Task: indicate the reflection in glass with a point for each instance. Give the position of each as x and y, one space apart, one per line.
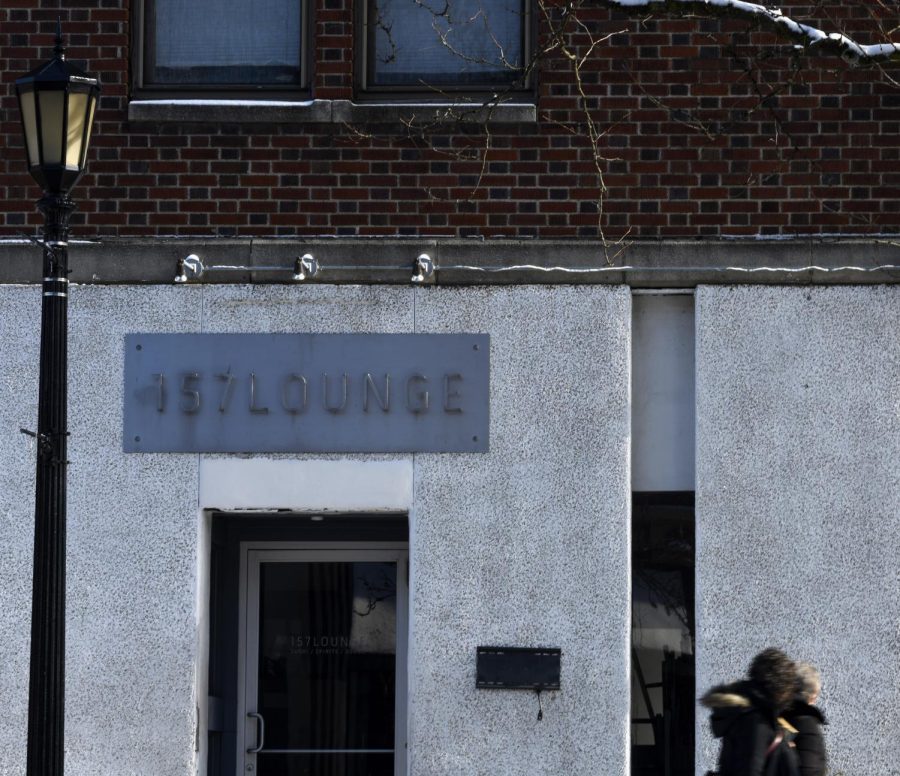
327 647
78 103
29 119
227 42
662 635
50 104
450 43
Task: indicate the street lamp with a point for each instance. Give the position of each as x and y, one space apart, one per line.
57 103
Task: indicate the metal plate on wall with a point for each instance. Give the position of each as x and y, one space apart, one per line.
518 668
324 393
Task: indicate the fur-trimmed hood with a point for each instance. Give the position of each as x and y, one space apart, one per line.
728 696
731 701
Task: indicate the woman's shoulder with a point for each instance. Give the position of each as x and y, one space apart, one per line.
803 715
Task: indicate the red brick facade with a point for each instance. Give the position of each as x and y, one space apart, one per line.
823 156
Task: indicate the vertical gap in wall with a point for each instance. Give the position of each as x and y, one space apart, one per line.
663 530
662 635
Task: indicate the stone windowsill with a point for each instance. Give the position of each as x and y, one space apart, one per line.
326 112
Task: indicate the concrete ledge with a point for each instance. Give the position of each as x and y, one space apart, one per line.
223 111
326 111
674 264
345 111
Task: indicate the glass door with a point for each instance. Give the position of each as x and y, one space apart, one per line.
324 691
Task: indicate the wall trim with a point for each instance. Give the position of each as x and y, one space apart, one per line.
392 261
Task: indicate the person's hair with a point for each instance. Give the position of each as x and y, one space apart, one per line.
776 675
809 682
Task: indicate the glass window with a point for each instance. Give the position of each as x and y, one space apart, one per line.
327 657
307 645
227 42
663 634
447 44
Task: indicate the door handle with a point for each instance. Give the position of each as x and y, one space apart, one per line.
260 732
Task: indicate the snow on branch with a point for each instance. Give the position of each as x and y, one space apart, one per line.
808 37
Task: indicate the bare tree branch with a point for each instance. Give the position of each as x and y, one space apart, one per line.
812 39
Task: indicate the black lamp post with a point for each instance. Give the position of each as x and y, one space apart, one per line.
57 103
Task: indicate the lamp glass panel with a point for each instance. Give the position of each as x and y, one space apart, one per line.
78 109
90 125
51 107
29 119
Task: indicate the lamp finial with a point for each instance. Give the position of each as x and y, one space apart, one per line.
59 49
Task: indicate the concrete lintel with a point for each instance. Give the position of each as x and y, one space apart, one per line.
661 264
306 484
153 261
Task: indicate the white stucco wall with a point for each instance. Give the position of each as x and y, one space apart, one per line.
131 546
528 545
798 501
21 318
525 545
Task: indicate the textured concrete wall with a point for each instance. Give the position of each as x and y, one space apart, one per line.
132 527
21 318
529 544
526 545
132 555
798 502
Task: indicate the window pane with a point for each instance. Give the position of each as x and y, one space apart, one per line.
445 43
227 41
663 634
327 668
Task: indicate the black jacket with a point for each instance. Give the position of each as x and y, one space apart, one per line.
743 717
809 741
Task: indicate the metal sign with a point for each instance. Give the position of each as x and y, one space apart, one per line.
518 668
292 393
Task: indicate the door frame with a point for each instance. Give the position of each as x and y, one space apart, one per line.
251 555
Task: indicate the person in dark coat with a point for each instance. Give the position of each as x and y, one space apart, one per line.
745 714
808 719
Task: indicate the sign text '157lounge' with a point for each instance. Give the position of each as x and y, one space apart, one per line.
345 393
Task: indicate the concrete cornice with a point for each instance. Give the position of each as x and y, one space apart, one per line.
673 264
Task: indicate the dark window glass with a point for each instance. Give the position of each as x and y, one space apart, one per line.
662 635
327 654
445 43
241 42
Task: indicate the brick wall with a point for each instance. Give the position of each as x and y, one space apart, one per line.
686 148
